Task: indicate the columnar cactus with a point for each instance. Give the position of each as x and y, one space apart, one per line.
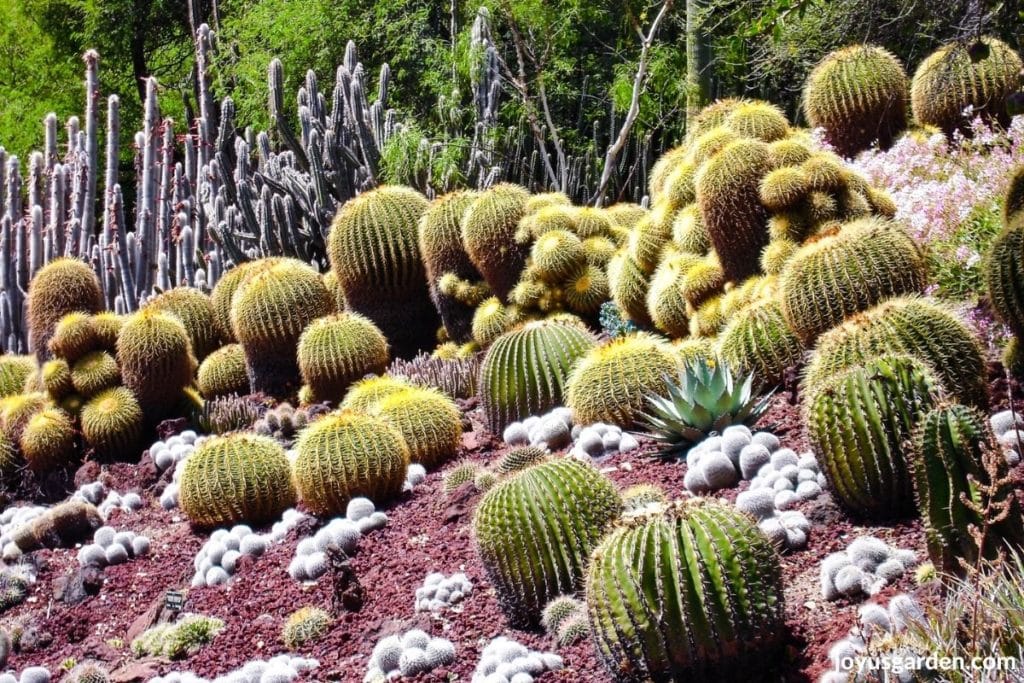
858 422
488 233
429 422
156 361
195 311
948 465
534 532
223 373
337 350
693 592
345 455
979 74
758 340
63 286
374 250
859 95
838 275
525 371
236 478
112 423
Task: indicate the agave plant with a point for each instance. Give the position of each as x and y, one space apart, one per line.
706 399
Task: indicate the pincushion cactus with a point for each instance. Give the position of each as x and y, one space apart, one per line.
429 422
488 233
535 529
63 286
112 423
718 632
195 311
223 373
156 361
337 350
305 625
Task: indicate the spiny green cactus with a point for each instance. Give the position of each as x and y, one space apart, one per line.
156 361
599 250
611 382
429 422
663 168
777 255
1004 276
694 593
787 152
223 373
10 459
591 222
981 74
729 199
17 409
708 319
825 173
195 311
178 639
859 96
666 302
236 478
337 350
692 349
542 200
269 312
625 215
112 423
759 120
94 372
709 144
679 187
107 326
912 326
519 459
1013 202
73 337
758 340
948 463
488 232
629 287
14 370
88 673
346 454
61 526
556 255
458 475
838 275
374 250
305 625
224 292
858 421
363 394
689 233
716 113
533 224
63 286
783 188
440 240
643 498
56 377
586 291
702 281
13 591
534 532
48 440
490 321
525 371
649 237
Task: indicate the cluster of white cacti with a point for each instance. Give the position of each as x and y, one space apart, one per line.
310 561
172 453
107 501
410 654
1008 426
787 528
12 518
110 547
279 669
440 592
30 674
875 620
415 475
867 566
552 430
601 440
217 560
506 661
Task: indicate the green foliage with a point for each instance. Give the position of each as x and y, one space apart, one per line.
337 350
694 593
534 532
956 261
179 639
112 423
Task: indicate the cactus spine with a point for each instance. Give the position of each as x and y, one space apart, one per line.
337 350
156 361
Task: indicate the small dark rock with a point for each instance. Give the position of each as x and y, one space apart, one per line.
76 587
34 639
169 428
87 473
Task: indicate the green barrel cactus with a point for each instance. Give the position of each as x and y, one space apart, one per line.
73 337
337 350
666 300
911 326
488 233
224 291
223 373
1013 202
236 478
612 381
429 422
63 286
156 361
107 326
729 198
689 233
304 626
948 464
525 371
758 120
490 320
374 250
112 423
757 340
858 95
1004 276
979 74
663 168
783 189
14 371
56 378
556 255
94 372
16 410
269 312
838 275
48 440
858 422
586 291
347 454
534 532
363 394
629 286
691 593
650 236
440 240
195 311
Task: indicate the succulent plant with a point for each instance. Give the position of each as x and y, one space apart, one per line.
236 478
16 410
223 373
48 440
948 464
519 459
195 311
347 454
488 233
364 394
730 204
63 286
156 361
112 423
305 625
429 422
706 399
73 337
14 371
269 311
224 292
556 255
666 298
859 95
586 291
440 240
980 74
94 372
836 276
337 350
455 376
757 340
694 593
648 239
284 422
534 532
525 371
663 168
374 250
55 375
611 382
912 326
227 414
13 591
178 639
1004 275
858 421
628 286
491 320
88 673
758 120
459 474
61 526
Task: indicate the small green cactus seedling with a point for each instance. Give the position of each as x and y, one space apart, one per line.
459 474
179 639
305 625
